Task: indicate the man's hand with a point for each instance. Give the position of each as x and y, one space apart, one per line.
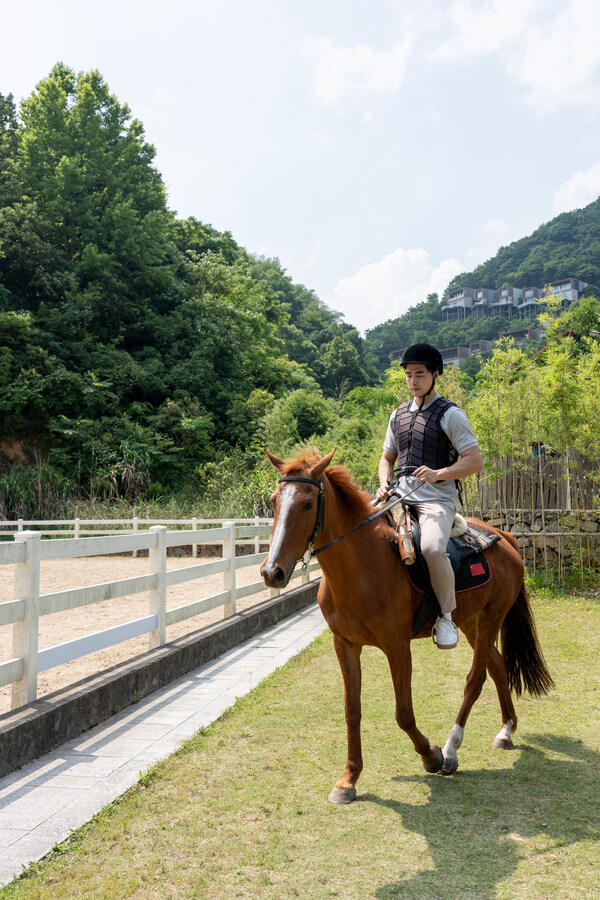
427 475
382 494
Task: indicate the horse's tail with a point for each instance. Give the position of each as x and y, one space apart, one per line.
523 659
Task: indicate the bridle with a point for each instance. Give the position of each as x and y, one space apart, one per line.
320 518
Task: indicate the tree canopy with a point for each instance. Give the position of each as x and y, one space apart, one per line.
132 342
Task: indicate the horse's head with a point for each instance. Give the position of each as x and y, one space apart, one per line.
298 509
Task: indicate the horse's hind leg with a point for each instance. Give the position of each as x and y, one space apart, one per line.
497 672
349 660
485 655
503 739
481 639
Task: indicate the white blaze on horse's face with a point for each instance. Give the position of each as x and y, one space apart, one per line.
294 518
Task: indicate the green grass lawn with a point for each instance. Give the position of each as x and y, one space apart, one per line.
242 811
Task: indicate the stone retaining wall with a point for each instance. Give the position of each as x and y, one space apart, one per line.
557 537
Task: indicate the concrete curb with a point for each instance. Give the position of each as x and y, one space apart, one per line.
39 727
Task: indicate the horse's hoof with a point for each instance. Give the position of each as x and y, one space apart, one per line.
432 768
342 796
450 766
503 744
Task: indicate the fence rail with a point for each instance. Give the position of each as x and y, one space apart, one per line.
23 612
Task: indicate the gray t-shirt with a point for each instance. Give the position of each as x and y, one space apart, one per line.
456 425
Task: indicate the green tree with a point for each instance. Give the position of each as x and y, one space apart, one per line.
584 316
9 187
297 419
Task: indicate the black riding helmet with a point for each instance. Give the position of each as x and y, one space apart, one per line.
426 354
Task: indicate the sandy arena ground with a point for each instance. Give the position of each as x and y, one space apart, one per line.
57 575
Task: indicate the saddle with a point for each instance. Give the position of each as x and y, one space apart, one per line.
466 553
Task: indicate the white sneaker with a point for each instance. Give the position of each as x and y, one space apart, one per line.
444 633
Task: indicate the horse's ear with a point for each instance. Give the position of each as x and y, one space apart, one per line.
275 461
320 467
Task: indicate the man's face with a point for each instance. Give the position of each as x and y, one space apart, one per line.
418 379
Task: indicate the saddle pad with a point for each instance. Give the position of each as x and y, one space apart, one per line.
471 572
477 538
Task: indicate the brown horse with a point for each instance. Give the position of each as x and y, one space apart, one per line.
366 599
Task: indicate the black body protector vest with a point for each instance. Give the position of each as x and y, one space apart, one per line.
419 439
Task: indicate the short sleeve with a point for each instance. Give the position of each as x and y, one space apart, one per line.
456 425
389 444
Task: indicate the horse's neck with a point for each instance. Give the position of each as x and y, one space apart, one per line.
338 521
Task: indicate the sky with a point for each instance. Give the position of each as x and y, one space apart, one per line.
376 148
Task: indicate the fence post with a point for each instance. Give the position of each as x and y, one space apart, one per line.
135 528
194 546
229 607
76 528
25 633
157 565
20 525
257 538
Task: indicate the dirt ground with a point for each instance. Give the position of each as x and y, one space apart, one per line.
62 574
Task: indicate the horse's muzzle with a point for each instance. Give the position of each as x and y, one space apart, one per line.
274 576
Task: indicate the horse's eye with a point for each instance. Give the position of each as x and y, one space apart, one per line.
308 505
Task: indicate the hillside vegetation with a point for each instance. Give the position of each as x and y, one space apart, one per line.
136 348
146 359
566 247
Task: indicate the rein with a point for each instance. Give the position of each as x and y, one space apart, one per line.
320 520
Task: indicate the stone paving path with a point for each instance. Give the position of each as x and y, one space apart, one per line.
48 798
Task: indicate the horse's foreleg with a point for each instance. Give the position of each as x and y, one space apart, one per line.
401 669
349 659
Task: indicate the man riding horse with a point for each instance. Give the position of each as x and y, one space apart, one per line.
431 439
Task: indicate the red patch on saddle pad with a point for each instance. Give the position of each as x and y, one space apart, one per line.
477 569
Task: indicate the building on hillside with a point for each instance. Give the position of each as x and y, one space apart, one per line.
569 290
455 355
521 335
459 304
481 302
531 303
508 301
480 346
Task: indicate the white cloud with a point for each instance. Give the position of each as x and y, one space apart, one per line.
387 289
582 188
482 29
551 51
559 64
357 71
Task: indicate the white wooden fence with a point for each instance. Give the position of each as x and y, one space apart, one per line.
28 550
86 527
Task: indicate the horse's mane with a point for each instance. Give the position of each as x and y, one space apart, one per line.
346 489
